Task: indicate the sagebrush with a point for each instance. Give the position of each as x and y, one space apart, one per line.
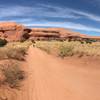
14 50
13 74
65 48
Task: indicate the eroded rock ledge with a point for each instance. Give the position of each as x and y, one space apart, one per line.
12 31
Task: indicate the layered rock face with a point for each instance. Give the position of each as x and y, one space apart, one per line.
55 33
59 34
12 31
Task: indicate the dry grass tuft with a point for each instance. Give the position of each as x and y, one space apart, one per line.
65 51
14 50
12 74
66 48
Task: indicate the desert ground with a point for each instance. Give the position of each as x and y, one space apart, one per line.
49 77
58 80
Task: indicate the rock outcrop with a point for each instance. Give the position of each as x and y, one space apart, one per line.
55 33
12 31
59 34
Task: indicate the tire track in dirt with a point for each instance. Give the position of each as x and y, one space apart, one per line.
49 78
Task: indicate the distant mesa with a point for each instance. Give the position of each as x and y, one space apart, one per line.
12 31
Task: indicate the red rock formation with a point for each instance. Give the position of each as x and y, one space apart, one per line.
12 31
54 33
59 34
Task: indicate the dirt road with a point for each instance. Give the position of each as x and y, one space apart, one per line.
49 78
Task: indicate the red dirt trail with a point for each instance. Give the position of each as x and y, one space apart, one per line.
49 78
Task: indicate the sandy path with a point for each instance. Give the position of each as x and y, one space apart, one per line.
51 79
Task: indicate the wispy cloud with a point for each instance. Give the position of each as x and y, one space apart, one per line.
11 11
70 25
43 10
33 11
95 3
87 15
75 12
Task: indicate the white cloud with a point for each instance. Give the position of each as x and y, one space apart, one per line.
69 25
43 10
14 11
74 12
87 15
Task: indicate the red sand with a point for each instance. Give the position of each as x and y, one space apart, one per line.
50 78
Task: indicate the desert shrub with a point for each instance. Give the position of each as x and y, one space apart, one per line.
15 50
16 53
90 41
3 42
65 50
3 53
45 46
13 75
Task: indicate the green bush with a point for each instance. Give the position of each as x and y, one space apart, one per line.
90 41
3 42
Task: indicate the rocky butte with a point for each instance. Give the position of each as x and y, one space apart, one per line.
12 31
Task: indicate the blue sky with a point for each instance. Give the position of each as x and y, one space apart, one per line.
79 15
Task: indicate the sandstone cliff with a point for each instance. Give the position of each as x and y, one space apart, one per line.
12 31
